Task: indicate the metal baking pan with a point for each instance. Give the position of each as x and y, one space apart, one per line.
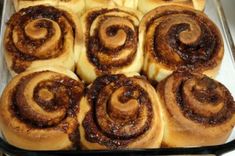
226 76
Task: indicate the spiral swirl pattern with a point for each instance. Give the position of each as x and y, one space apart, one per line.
123 114
111 41
199 102
39 35
175 37
41 106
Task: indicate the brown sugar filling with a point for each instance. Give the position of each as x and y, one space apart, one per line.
97 48
105 123
26 45
65 94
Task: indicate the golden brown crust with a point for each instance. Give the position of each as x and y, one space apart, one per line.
39 109
120 112
20 4
76 6
176 37
147 5
197 110
111 43
41 35
111 3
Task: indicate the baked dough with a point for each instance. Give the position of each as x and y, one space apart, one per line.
174 37
42 35
147 5
197 110
39 109
111 43
120 112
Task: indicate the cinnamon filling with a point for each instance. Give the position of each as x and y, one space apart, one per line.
183 38
121 111
36 33
200 98
114 42
57 98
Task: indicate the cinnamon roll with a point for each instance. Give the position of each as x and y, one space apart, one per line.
39 109
175 37
77 6
147 5
119 112
111 43
41 35
113 3
197 110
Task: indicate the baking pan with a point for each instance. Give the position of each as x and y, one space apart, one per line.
226 76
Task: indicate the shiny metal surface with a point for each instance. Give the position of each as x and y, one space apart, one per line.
225 28
1 9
